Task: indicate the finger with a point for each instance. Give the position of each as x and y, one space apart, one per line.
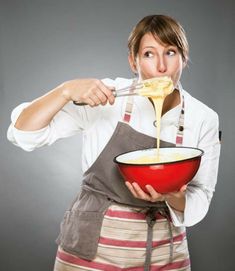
95 99
100 95
152 191
90 102
107 91
130 187
183 188
154 194
111 96
140 193
104 102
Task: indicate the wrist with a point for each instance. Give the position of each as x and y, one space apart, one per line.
64 92
177 202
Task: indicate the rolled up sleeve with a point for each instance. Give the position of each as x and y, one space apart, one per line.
200 190
67 122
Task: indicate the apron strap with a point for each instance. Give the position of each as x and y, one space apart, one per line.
129 105
151 220
128 109
180 130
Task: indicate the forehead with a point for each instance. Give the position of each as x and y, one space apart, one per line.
150 40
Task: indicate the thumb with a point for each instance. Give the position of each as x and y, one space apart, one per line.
183 188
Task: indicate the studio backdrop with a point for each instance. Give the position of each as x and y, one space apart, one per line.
44 43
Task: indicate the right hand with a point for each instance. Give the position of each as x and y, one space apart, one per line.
89 91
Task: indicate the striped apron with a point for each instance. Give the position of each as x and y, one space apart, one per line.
131 238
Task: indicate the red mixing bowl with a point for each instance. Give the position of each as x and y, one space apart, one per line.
164 177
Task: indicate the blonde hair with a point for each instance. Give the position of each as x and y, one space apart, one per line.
165 28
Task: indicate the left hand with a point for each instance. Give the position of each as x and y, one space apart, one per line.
154 196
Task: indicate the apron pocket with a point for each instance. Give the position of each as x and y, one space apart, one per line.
80 232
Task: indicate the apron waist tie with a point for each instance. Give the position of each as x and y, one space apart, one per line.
171 236
151 220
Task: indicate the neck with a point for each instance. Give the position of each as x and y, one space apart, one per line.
171 101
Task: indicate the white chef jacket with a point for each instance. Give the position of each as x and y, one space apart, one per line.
97 124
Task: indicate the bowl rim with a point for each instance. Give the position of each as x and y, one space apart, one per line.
160 163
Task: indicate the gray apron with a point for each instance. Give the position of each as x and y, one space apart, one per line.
102 186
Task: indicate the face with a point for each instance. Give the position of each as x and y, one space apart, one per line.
155 59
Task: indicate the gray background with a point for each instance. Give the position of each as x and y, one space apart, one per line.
44 43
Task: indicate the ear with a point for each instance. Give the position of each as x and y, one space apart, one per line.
132 63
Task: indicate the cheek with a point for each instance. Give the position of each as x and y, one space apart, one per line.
146 69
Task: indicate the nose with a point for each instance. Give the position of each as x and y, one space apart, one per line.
161 65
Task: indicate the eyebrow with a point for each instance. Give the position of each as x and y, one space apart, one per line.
149 47
153 47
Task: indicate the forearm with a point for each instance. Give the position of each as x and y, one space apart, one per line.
42 110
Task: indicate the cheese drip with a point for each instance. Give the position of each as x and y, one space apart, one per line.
157 89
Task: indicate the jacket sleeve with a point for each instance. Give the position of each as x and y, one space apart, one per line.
67 122
200 190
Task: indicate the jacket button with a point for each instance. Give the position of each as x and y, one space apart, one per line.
181 128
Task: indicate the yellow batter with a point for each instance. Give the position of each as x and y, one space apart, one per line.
157 89
161 157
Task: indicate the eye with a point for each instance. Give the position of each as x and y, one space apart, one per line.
171 52
148 54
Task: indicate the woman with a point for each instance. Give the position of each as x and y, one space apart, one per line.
110 227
